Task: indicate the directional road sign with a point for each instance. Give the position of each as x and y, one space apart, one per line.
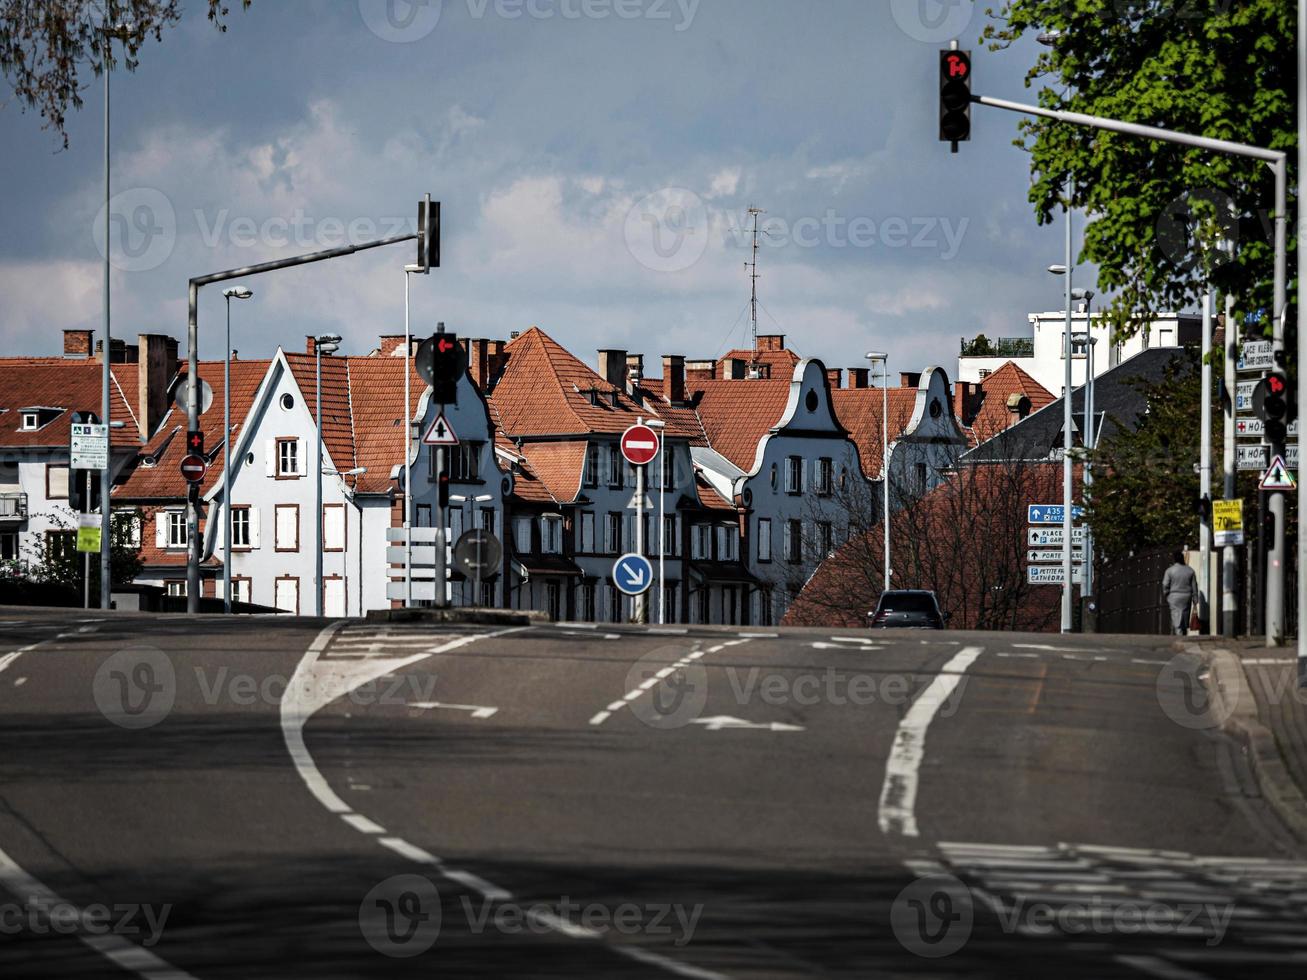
1053 554
440 433
633 574
1257 355
193 468
639 444
1051 537
88 447
1243 396
1251 457
1052 574
1051 513
1252 426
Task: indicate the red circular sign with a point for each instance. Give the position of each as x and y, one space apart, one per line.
639 444
194 467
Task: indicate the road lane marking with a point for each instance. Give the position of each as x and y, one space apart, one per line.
1158 967
632 695
476 710
898 795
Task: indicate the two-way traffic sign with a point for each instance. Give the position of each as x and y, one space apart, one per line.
633 574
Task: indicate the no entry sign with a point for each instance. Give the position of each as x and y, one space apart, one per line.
639 444
194 467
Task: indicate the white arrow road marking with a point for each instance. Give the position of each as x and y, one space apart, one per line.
898 796
820 645
318 682
635 579
477 710
718 722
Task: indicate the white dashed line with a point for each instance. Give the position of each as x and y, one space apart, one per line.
647 684
1158 967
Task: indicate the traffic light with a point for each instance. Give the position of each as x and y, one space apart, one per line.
448 363
954 96
195 442
1273 404
428 234
442 483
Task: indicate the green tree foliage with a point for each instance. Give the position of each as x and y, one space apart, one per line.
44 44
1218 68
55 573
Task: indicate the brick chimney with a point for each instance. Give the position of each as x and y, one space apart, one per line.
392 345
478 360
156 366
859 377
496 359
967 399
700 370
612 367
835 377
674 378
77 343
909 379
771 341
310 344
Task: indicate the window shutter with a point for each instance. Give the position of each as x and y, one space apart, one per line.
270 455
161 529
300 467
254 526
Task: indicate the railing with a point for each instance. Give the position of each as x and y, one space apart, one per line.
13 506
1002 347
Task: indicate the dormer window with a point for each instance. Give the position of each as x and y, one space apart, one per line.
614 398
594 396
31 420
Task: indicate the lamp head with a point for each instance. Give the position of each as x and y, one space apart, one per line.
238 292
327 343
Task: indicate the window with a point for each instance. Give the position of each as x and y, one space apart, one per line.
614 604
551 534
333 527
919 478
127 527
726 542
669 472
60 544
240 527
56 481
764 606
701 542
9 546
522 535
464 462
592 464
288 458
454 521
613 535
670 544
824 471
730 604
794 474
825 539
487 519
487 595
286 594
288 528
587 544
616 468
585 602
554 601
241 587
764 539
176 587
424 515
31 420
177 536
983 373
794 541
702 602
671 613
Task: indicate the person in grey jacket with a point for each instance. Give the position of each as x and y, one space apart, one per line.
1180 588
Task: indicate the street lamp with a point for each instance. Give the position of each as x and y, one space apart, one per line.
882 358
476 579
1068 421
330 343
660 428
235 292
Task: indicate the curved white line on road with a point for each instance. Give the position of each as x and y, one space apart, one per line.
312 689
629 696
898 795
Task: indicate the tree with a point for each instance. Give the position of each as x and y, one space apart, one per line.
54 570
1157 210
43 43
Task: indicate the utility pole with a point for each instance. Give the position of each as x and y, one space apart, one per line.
1205 466
1229 561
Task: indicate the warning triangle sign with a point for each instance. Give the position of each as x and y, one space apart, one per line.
440 433
1277 476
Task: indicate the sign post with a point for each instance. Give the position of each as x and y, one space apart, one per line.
639 447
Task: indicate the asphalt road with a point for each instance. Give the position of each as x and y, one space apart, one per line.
188 796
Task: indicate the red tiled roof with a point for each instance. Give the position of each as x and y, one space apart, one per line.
994 415
72 384
737 414
709 498
860 409
781 362
558 466
337 422
376 387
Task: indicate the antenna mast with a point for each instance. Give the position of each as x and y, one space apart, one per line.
753 276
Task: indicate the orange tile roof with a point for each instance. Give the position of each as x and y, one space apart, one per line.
994 415
737 414
72 384
376 387
781 362
337 421
709 498
557 466
860 409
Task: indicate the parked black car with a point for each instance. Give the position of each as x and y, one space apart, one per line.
909 609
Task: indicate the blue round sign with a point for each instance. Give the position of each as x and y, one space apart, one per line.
633 574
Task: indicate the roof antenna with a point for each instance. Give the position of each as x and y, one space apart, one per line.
753 302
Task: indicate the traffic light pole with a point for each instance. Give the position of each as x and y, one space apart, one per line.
442 599
1279 167
1229 561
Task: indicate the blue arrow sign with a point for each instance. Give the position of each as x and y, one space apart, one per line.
633 574
1051 513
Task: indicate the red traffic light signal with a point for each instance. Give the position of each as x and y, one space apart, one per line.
954 96
195 442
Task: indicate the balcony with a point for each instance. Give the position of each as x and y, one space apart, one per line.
13 506
982 346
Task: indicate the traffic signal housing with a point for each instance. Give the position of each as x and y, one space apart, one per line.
448 363
442 484
954 96
428 235
1273 403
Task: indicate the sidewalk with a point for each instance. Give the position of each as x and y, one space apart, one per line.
1256 698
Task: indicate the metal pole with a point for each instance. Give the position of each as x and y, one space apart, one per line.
662 525
226 467
1276 499
1229 561
408 466
641 614
86 555
1067 422
1088 477
317 476
440 534
1302 331
1205 464
105 380
884 435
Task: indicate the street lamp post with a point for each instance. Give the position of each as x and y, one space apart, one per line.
235 292
883 359
330 343
660 429
1068 421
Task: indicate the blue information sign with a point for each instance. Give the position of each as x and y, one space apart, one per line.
1051 513
633 574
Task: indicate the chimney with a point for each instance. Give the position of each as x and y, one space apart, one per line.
392 345
478 360
119 352
967 400
635 377
496 359
771 341
310 344
859 377
909 379
674 378
612 366
700 370
835 377
738 368
77 343
156 366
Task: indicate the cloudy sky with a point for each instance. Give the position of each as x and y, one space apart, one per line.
595 160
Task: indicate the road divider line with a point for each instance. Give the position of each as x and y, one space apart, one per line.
898 795
649 683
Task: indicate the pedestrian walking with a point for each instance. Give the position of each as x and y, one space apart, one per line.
1179 589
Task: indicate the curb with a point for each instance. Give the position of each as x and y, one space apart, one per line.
1234 706
459 614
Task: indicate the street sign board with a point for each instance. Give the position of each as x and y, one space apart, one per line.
639 444
1277 476
1051 513
193 468
1050 537
1251 457
1243 396
88 533
1227 522
633 574
477 554
88 447
1257 355
1035 555
1252 426
440 433
1052 574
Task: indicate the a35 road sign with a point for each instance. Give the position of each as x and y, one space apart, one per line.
633 574
1051 513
